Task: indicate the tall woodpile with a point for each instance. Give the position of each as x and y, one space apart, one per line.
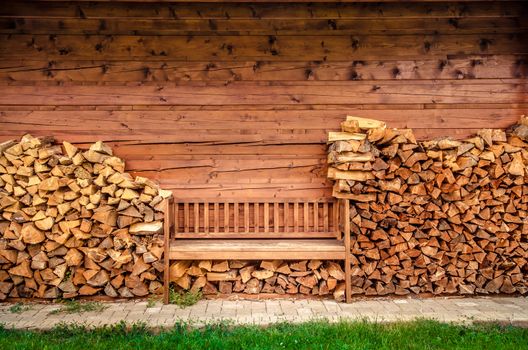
439 216
72 222
309 277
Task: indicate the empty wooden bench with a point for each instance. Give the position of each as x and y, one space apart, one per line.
254 230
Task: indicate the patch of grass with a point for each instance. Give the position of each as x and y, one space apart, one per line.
75 306
422 334
18 308
184 299
151 302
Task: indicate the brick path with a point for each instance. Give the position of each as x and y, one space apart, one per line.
269 311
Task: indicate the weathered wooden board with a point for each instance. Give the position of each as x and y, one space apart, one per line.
224 26
257 47
133 122
86 10
478 67
265 93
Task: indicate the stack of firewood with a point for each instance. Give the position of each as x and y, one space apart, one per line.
312 277
72 222
441 216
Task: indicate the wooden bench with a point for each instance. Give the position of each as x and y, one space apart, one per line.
255 230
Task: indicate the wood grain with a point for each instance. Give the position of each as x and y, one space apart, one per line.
265 93
290 10
258 47
97 72
320 26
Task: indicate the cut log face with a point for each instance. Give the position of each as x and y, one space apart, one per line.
32 235
59 211
443 216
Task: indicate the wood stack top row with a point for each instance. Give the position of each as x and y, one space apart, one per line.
72 222
439 216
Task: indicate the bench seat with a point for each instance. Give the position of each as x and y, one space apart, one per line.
256 249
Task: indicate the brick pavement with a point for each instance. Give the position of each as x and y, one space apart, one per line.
263 312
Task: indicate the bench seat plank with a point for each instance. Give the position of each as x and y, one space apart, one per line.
257 249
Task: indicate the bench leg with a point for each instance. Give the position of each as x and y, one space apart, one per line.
166 282
346 229
166 240
348 278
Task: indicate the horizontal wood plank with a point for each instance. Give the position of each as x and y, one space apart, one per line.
256 255
338 26
260 47
291 10
477 67
258 245
294 93
243 122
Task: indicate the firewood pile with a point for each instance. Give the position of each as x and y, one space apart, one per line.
313 277
73 223
440 216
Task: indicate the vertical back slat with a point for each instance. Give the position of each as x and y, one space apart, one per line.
296 217
176 210
257 217
266 217
246 217
306 216
186 217
196 217
316 216
227 208
216 217
286 216
325 217
276 217
206 217
235 217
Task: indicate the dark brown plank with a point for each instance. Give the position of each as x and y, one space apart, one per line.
294 93
158 10
264 47
478 67
338 26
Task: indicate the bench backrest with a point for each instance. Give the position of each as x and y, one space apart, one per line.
255 219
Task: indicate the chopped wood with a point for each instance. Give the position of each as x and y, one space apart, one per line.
74 223
345 136
146 228
270 276
364 123
442 216
336 174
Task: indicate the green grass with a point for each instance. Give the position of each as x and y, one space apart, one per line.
152 301
315 335
18 308
184 299
75 306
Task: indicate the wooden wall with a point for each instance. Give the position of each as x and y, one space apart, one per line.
235 100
